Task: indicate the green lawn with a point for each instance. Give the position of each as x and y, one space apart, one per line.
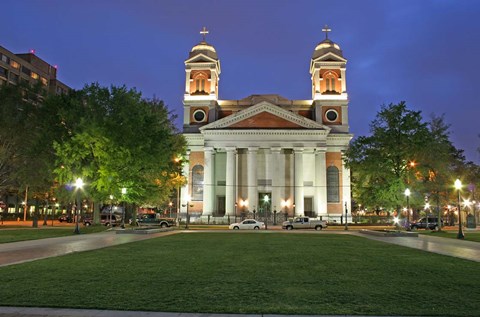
14 235
257 272
469 235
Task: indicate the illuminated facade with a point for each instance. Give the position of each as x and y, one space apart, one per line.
265 155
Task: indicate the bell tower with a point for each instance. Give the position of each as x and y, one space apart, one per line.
201 85
329 87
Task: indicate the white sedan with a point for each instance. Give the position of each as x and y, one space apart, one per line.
247 224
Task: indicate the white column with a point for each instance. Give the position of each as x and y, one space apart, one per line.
276 197
320 183
185 193
187 81
344 79
213 82
230 182
346 188
252 179
208 180
299 203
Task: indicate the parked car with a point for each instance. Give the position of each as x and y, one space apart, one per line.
247 224
155 220
422 223
105 219
65 218
304 223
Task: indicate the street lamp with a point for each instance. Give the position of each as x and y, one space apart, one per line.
407 194
458 186
170 204
124 192
265 204
188 216
78 185
236 205
346 216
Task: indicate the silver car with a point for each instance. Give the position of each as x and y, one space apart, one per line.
248 224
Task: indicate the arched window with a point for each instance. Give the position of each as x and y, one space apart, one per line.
197 182
333 185
330 79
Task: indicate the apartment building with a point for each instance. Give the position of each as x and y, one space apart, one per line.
28 67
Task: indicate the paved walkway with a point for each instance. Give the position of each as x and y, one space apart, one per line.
36 312
31 250
468 250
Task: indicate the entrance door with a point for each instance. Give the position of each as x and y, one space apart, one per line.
308 206
220 206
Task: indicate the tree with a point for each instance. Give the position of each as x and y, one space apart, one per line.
117 139
380 162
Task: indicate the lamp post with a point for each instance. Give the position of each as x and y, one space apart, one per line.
78 184
458 186
265 206
124 192
407 194
188 216
346 216
236 205
170 204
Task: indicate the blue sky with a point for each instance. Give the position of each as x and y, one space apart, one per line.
423 52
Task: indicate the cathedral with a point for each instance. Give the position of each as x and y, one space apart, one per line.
266 156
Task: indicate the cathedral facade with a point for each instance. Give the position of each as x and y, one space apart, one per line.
266 156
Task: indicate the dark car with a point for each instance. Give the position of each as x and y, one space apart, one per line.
65 218
154 220
422 224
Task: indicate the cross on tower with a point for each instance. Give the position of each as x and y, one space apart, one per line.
204 33
326 30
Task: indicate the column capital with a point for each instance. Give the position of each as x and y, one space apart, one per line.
209 149
298 150
276 150
320 150
230 149
252 149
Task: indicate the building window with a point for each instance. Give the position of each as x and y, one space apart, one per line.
330 80
200 84
197 182
331 115
44 81
13 78
5 58
333 185
34 75
3 72
14 64
199 115
26 71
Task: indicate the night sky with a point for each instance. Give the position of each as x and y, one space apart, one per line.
426 53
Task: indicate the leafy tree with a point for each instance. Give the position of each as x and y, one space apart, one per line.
380 162
117 139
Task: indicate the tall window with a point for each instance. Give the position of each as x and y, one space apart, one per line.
330 82
333 185
200 83
197 182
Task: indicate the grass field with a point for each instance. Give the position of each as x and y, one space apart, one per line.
14 235
469 235
258 272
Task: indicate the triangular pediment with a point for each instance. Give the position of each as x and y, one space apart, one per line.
264 115
201 58
329 57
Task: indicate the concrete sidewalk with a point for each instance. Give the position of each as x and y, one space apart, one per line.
65 312
31 250
468 250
